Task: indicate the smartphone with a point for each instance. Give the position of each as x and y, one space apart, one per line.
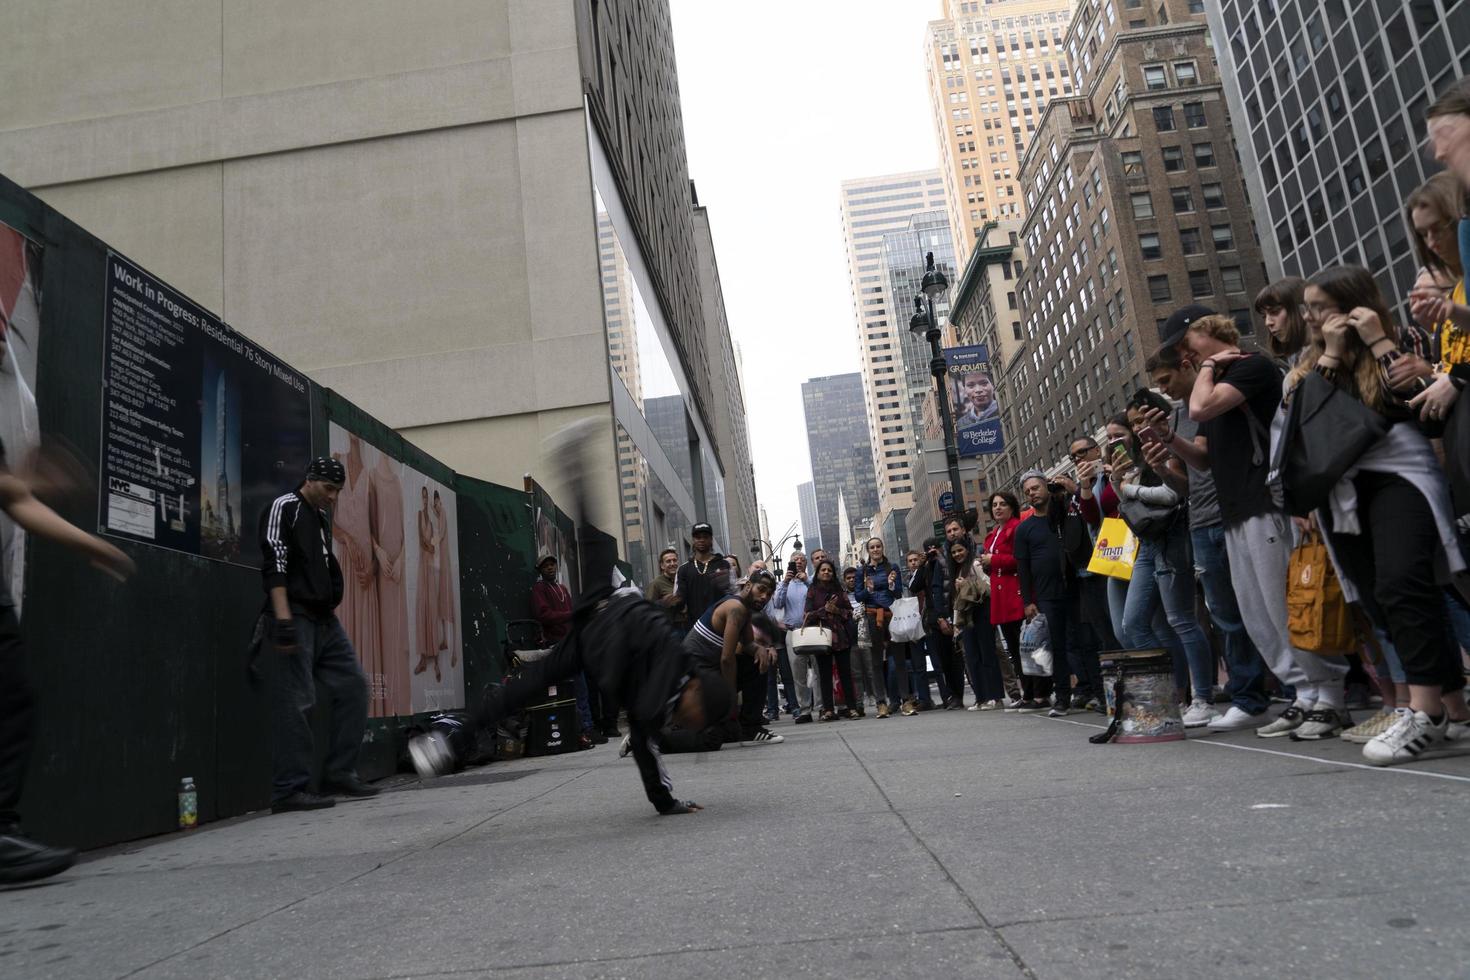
1119 451
1148 435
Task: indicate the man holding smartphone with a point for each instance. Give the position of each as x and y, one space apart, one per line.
790 603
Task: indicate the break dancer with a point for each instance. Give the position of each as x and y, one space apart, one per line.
623 643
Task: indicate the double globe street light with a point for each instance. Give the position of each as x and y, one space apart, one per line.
924 323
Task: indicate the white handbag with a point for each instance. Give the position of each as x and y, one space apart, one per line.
907 625
811 638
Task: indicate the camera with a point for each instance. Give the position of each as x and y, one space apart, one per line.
1055 488
791 566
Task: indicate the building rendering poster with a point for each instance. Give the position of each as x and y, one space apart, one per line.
20 333
201 429
395 534
972 401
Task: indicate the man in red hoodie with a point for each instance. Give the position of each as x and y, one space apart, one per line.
551 605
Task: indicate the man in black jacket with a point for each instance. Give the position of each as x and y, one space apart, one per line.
303 585
623 643
1042 564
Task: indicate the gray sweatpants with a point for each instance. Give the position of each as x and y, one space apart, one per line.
802 665
1259 549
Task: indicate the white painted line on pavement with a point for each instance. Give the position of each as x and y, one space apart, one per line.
1295 755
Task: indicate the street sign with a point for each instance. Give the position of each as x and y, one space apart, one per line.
946 501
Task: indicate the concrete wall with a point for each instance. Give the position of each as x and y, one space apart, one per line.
393 197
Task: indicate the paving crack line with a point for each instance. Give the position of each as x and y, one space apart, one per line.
1399 770
985 923
348 880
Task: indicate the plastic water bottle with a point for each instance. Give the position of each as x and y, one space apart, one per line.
188 804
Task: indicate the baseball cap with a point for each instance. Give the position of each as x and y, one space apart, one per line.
1178 323
699 529
544 559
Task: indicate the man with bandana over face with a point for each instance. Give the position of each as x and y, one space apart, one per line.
303 585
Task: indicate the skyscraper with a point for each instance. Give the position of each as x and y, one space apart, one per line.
1136 207
903 263
1328 99
811 531
841 455
993 65
871 208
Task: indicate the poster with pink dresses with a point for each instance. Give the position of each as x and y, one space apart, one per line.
394 534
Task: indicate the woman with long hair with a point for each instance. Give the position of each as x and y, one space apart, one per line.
1006 611
879 582
1437 300
1389 515
1280 306
827 606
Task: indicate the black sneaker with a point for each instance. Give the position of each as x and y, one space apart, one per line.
22 859
350 787
1030 707
302 800
599 737
804 719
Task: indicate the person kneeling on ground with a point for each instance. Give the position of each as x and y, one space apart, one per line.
623 643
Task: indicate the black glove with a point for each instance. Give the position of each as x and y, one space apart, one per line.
680 806
283 633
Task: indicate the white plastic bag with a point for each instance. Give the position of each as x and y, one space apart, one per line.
1036 659
907 625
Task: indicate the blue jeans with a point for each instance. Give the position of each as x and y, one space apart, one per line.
1174 582
1247 671
1145 627
322 654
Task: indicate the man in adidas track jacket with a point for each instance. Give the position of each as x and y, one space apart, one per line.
303 585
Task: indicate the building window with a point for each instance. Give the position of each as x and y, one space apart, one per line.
1231 276
1149 245
1214 196
1204 154
1191 241
1183 199
1154 77
1173 158
1199 283
1224 237
1164 118
1132 163
1158 289
1194 115
1184 73
1143 205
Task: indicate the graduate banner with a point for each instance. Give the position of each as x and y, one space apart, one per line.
201 429
972 401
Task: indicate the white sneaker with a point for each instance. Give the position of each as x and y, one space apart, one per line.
1199 713
1013 704
626 748
1236 719
1289 721
1409 736
764 736
990 705
1321 723
974 707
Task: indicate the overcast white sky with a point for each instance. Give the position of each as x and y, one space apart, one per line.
782 102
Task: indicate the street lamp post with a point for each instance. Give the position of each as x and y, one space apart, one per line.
927 324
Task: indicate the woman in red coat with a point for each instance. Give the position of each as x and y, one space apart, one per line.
998 558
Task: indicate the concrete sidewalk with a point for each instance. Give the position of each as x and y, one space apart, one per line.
944 845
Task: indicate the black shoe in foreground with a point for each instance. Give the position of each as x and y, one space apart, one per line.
22 859
351 787
302 800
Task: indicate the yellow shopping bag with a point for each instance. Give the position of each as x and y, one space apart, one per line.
1116 550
